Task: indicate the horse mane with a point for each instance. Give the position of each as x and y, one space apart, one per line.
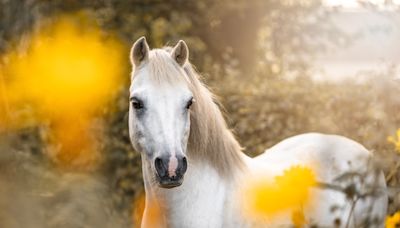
210 139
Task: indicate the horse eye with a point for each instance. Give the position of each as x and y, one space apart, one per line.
189 103
137 104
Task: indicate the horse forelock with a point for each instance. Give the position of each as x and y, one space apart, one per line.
162 68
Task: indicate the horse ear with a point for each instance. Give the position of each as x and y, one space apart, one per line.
139 51
180 53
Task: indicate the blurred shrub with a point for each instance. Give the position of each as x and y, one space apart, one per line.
255 56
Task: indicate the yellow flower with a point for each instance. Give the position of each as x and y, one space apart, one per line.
298 218
289 192
68 73
393 221
395 140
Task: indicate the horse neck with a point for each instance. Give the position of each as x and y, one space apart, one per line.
201 201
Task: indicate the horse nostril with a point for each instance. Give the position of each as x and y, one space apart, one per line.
184 165
158 163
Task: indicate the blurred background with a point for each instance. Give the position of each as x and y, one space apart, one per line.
279 68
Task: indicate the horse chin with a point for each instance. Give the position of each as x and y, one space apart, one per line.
169 186
170 183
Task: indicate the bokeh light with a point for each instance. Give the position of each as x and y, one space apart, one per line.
393 221
67 75
154 208
266 198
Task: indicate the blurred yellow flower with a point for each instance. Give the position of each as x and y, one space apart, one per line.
67 74
395 140
393 221
289 192
154 213
298 218
68 66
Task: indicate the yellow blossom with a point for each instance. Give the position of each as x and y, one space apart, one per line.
69 71
393 221
298 218
265 198
395 140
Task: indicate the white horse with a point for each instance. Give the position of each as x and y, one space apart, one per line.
181 134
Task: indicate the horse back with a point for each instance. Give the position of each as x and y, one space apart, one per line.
338 161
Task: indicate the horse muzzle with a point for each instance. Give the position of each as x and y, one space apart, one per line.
170 170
